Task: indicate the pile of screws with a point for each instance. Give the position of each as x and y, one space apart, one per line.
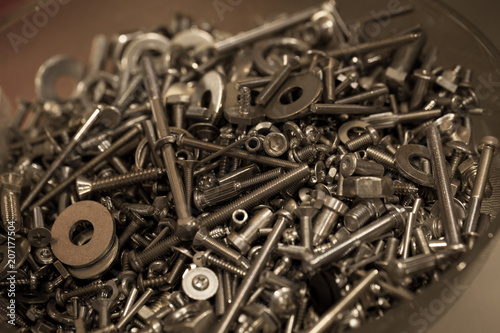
294 177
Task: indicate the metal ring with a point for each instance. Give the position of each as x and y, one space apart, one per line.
210 93
344 129
308 87
97 247
200 283
53 69
84 86
403 156
261 49
141 44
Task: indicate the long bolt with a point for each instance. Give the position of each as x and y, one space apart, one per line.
272 87
443 189
186 142
126 138
489 148
138 261
329 317
186 224
392 220
61 157
86 187
220 216
284 218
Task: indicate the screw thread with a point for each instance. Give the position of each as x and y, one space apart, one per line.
262 178
177 269
248 201
402 188
155 282
125 263
405 57
4 312
83 291
188 183
161 302
219 232
358 216
19 282
301 314
10 207
98 53
130 178
158 250
306 154
455 160
359 142
244 99
379 155
222 264
178 111
220 248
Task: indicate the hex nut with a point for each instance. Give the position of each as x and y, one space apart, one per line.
367 187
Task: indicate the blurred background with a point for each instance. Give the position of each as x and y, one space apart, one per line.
477 308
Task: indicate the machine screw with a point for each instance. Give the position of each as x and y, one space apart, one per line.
460 150
362 213
488 148
11 191
371 137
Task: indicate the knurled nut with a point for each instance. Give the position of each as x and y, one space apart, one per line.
336 205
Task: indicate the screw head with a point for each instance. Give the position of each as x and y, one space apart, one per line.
489 141
11 181
373 134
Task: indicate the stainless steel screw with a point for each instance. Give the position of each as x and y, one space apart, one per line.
489 148
443 189
371 137
11 191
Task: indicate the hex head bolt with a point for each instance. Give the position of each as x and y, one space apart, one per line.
62 156
86 187
488 148
362 213
221 215
327 218
329 317
11 191
371 137
392 220
283 220
207 258
443 189
202 238
243 239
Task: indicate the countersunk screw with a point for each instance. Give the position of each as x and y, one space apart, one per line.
202 238
85 187
488 149
371 137
11 191
220 216
62 297
207 258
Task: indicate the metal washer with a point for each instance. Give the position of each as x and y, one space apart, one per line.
98 246
200 294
